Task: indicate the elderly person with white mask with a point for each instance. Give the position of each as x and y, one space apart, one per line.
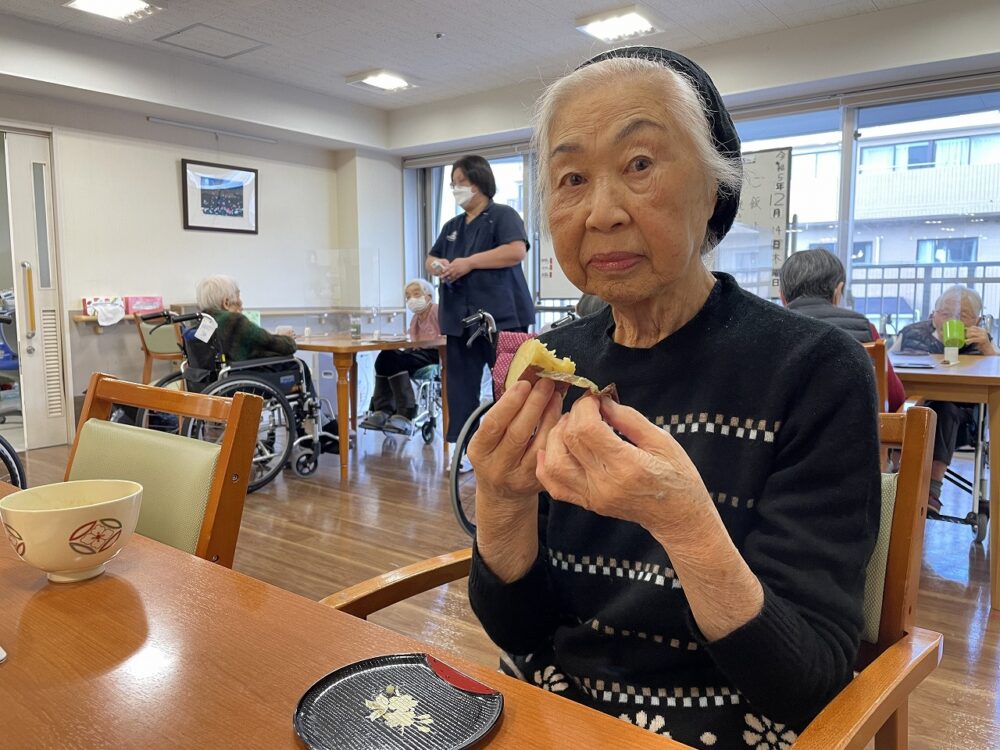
393 404
700 568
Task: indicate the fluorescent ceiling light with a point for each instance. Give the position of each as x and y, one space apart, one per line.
382 80
615 25
120 10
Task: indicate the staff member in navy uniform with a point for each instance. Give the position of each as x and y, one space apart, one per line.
478 257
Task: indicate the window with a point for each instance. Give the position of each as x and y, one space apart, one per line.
925 211
948 250
877 159
915 155
862 253
813 194
984 149
830 247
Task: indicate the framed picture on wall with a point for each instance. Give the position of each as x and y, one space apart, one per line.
219 197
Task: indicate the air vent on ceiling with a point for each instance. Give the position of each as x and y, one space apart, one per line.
211 41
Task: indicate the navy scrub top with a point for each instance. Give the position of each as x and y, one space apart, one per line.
502 292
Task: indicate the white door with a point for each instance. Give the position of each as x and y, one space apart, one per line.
36 289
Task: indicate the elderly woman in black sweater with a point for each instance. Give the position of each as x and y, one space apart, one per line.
700 569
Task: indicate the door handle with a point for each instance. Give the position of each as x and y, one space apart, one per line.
29 293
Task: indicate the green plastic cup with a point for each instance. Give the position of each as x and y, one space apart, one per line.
953 333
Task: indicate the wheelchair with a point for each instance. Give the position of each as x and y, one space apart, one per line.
426 383
291 422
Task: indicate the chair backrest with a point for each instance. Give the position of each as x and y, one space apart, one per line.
894 569
162 343
876 350
193 491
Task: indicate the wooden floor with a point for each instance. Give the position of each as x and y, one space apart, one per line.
314 537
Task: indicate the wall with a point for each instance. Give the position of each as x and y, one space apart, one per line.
120 228
370 228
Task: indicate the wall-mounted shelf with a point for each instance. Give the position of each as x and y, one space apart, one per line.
267 312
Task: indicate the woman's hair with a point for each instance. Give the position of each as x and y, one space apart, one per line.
424 284
213 292
681 99
961 294
811 273
477 171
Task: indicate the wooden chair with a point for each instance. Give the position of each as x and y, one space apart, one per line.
876 350
193 491
895 655
162 344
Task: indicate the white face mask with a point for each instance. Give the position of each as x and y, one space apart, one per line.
463 194
416 305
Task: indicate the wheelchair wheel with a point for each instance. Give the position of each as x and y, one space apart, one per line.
305 463
981 520
275 434
427 431
11 468
463 486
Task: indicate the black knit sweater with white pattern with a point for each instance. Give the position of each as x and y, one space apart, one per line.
778 413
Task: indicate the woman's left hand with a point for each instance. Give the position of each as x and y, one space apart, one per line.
457 269
649 480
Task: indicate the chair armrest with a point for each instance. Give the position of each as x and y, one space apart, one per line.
389 588
851 719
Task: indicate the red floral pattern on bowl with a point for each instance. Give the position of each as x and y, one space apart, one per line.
95 536
15 539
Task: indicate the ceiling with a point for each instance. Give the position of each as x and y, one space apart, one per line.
314 44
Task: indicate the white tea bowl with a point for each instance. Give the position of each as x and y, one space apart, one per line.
70 530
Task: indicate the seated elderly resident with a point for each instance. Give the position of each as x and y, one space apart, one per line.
238 337
812 283
393 404
700 569
924 337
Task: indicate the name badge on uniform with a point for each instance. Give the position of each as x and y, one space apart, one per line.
453 236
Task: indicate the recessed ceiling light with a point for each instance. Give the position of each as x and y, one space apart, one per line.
120 10
379 80
615 25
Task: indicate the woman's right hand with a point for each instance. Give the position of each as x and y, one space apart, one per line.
504 450
504 453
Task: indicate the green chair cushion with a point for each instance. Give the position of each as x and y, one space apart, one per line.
175 472
875 576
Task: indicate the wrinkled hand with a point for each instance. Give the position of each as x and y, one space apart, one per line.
651 482
457 269
505 447
979 337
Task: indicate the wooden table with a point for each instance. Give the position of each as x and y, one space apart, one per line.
166 650
974 380
345 360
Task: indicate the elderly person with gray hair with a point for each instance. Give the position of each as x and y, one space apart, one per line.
700 568
812 283
393 404
924 337
238 337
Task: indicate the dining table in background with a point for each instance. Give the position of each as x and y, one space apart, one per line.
166 650
974 380
345 360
